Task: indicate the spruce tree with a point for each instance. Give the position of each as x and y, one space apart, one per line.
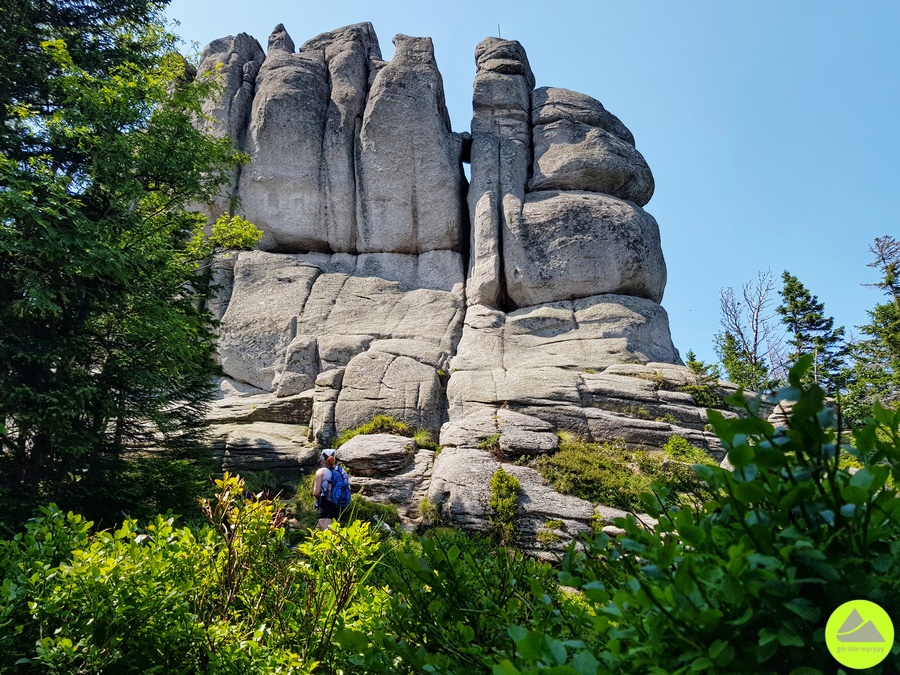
810 331
874 374
103 340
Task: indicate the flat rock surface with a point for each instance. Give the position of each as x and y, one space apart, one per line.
377 454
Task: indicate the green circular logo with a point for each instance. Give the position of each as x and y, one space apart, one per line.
859 634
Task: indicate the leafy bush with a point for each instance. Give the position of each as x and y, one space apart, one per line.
745 582
451 599
380 424
228 597
384 424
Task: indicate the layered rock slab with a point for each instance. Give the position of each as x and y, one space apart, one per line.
459 489
389 469
293 318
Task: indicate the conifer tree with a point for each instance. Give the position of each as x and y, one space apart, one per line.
810 331
874 374
103 339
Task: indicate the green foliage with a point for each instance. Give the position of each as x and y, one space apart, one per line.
491 443
811 332
380 424
705 387
615 475
228 233
228 597
504 499
874 375
104 344
451 600
430 513
749 344
744 582
425 440
741 370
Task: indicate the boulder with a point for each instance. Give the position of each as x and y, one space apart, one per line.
516 434
411 172
553 104
459 488
571 155
379 383
570 245
377 454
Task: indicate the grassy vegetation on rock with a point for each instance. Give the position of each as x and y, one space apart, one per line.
614 475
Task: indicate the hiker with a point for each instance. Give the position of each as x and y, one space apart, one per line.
328 504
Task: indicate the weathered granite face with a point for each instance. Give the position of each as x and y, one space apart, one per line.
522 304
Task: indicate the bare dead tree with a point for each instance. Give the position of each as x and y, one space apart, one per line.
750 320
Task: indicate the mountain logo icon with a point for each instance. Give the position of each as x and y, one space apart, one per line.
856 629
859 634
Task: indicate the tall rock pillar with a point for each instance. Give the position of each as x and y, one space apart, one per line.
501 156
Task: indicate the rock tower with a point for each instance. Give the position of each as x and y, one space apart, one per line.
518 305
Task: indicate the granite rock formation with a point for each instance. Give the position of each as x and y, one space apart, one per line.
524 303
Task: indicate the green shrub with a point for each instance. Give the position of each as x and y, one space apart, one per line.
614 475
491 443
451 600
228 597
505 489
384 424
745 581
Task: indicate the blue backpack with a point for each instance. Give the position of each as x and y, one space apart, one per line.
338 491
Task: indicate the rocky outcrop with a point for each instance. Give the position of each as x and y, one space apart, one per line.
232 64
389 469
411 178
499 312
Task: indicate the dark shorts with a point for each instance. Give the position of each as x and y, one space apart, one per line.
328 509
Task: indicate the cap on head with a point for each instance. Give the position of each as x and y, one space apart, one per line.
329 453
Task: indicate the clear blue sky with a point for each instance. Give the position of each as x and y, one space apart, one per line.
771 126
